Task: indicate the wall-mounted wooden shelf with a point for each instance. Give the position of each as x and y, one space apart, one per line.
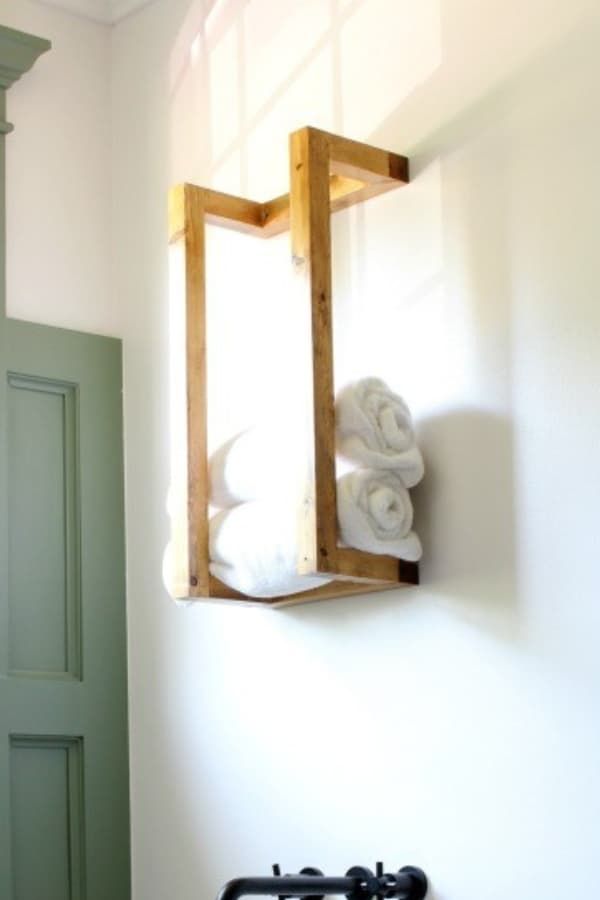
327 173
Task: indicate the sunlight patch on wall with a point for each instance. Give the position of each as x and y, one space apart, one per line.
307 101
277 39
225 99
388 48
255 70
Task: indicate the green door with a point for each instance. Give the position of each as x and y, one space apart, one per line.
64 823
64 810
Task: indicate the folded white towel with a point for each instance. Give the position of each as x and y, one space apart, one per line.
254 549
265 461
375 429
375 514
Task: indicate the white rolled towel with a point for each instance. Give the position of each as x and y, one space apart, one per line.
267 460
375 514
374 429
254 550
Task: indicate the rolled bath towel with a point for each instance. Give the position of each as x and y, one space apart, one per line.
375 514
254 550
375 430
264 461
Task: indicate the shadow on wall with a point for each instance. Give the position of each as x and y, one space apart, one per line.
468 522
468 527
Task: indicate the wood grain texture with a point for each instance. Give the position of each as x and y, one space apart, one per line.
221 593
332 591
198 490
235 213
367 567
343 192
311 254
178 576
310 166
353 159
190 538
327 173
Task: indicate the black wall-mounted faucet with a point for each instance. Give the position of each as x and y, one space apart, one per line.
359 883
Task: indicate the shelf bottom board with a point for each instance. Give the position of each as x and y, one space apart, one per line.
219 592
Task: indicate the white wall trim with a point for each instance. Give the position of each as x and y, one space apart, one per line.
106 12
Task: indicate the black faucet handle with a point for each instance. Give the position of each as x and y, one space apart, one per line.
310 870
368 885
419 883
388 882
408 882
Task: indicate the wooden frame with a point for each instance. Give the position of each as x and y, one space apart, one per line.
327 173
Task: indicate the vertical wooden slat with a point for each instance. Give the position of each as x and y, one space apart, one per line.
311 252
190 575
195 255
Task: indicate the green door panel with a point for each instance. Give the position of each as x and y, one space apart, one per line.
64 813
43 504
46 792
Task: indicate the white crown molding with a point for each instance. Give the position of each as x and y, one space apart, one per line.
106 12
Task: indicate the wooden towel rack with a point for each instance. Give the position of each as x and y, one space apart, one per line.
327 173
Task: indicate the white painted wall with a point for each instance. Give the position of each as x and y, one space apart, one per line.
58 175
455 725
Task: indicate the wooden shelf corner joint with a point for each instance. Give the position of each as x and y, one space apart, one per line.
327 173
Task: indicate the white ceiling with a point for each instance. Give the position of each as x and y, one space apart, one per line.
108 12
